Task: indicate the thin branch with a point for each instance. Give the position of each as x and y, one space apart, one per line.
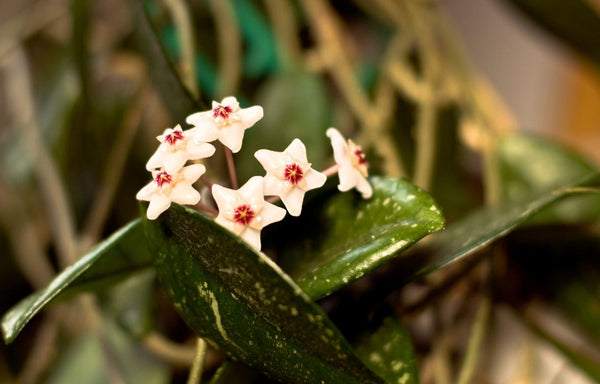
114 169
182 18
426 143
21 104
229 46
283 20
42 352
231 168
331 170
475 341
168 350
196 371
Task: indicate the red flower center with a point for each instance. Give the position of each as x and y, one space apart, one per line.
293 173
163 178
243 214
221 111
173 137
360 155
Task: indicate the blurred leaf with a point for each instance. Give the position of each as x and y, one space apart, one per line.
121 255
233 373
575 22
296 106
389 353
131 302
174 94
341 236
479 229
529 164
86 360
243 303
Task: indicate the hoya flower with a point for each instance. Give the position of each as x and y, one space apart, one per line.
352 164
226 122
167 188
176 148
289 175
245 211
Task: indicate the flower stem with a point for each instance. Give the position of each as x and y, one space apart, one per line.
205 181
273 199
207 209
331 170
196 371
231 168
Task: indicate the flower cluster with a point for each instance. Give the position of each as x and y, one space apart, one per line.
244 211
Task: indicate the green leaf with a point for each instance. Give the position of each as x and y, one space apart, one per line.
389 353
116 258
529 164
340 237
240 301
177 98
575 22
479 229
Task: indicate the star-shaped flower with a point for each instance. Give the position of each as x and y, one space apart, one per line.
289 175
352 164
167 188
245 211
226 122
176 148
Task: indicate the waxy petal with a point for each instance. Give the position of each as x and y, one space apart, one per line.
158 205
349 173
185 194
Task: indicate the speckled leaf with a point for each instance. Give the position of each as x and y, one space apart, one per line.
390 354
481 228
576 22
241 302
344 236
528 164
117 257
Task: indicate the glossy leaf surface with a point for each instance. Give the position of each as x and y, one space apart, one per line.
389 353
482 227
115 258
344 236
240 301
529 164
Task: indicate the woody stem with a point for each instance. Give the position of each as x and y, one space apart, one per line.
231 168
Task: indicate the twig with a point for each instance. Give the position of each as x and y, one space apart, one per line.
284 24
42 352
196 371
229 45
426 143
207 209
182 19
165 349
113 171
475 341
231 167
20 101
206 182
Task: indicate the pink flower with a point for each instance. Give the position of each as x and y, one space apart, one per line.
352 170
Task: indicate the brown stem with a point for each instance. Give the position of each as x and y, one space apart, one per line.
231 168
331 170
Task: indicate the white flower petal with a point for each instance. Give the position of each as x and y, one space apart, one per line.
191 173
158 205
297 151
174 161
272 185
271 214
224 222
364 187
229 101
224 197
252 191
293 201
199 150
249 116
270 160
146 192
156 160
347 175
252 237
314 179
232 136
184 194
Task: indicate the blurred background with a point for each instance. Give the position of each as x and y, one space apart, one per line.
85 87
